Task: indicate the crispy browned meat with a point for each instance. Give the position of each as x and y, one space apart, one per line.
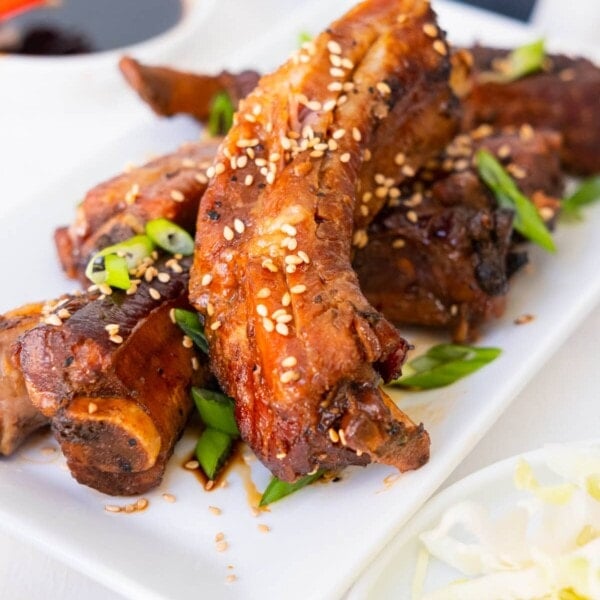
440 254
292 338
170 92
18 417
119 397
564 97
170 186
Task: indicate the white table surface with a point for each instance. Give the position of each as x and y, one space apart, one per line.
41 140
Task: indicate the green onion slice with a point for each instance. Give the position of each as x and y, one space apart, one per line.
277 489
586 193
190 324
444 364
170 237
521 61
304 37
216 411
132 251
212 451
527 220
117 273
220 118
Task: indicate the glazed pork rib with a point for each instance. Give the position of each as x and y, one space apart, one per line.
18 417
170 186
292 338
169 92
440 254
114 378
564 96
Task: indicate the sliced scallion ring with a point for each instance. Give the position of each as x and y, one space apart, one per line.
212 450
117 273
131 251
216 410
277 489
170 237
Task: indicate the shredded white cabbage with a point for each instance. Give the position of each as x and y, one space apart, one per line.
546 548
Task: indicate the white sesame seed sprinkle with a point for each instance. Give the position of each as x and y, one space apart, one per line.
154 293
298 289
440 47
262 310
228 233
239 226
286 299
268 324
92 408
345 158
206 279
334 47
263 293
215 325
289 361
282 329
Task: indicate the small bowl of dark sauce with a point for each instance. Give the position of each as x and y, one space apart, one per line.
71 29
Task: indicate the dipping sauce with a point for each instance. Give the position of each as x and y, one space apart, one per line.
84 26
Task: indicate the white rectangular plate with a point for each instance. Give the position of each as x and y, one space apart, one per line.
321 538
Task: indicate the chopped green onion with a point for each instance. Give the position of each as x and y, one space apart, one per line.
527 221
132 251
304 37
521 61
277 489
170 237
212 450
190 324
117 273
444 364
586 193
216 410
220 118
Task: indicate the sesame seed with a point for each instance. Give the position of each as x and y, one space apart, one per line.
400 158
364 210
268 324
292 259
345 157
303 256
116 339
269 265
191 465
526 132
141 504
210 309
278 313
221 547
248 180
332 145
516 171
112 328
177 196
263 293
360 238
367 155
336 72
430 30
381 192
334 47
504 151
92 408
342 100
187 342
206 279
284 318
383 88
282 329
105 289
401 18
228 233
412 216
168 498
523 319
440 47
263 528
335 86
242 161
316 154
338 134
215 510
262 310
286 299
230 578
314 105
347 63
408 171
195 364
172 316
461 165
333 436
210 172
239 226
53 320
288 229
270 178
546 213
164 277
356 135
281 455
215 325
154 294
342 437
288 376
335 60
289 362
298 289
112 508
